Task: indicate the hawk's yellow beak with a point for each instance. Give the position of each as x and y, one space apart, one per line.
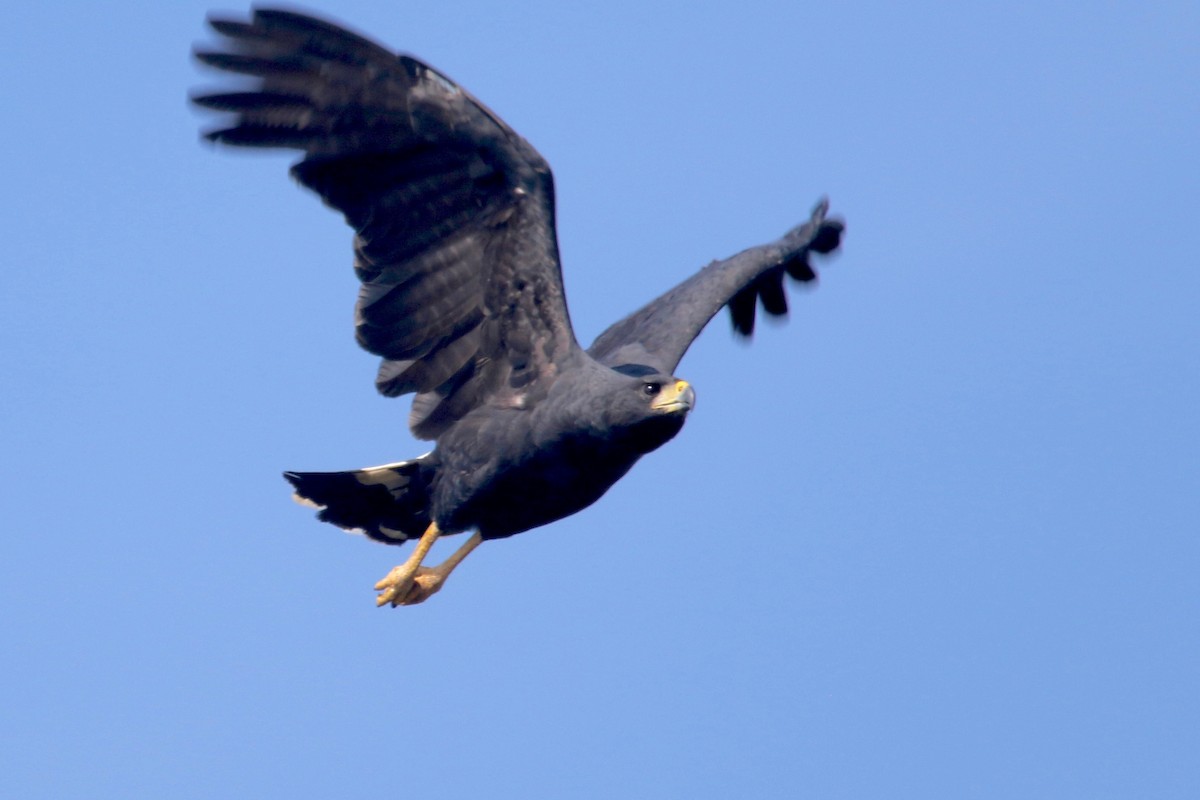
673 398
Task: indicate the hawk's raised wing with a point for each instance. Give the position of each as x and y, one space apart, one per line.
658 334
454 213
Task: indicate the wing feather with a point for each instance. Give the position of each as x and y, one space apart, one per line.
659 333
453 212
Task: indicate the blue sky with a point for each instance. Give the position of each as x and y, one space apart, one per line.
936 536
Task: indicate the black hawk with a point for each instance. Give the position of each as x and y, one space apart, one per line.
462 295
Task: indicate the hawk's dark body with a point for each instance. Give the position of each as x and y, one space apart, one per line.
462 294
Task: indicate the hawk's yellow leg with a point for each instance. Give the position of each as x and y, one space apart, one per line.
410 583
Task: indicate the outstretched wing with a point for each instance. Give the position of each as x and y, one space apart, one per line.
660 333
453 212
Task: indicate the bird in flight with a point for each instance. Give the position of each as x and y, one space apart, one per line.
462 294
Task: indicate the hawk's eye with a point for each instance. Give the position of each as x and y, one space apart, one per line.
651 389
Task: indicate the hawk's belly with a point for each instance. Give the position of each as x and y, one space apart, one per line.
511 489
542 489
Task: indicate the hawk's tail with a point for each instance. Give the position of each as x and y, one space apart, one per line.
389 503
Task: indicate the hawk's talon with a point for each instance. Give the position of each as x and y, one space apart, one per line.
405 588
424 585
410 583
395 585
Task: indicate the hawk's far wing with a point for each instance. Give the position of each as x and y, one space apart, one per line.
453 212
658 334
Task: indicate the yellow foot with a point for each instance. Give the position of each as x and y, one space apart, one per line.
402 589
399 583
410 583
395 584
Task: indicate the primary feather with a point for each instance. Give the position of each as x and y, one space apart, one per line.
453 212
